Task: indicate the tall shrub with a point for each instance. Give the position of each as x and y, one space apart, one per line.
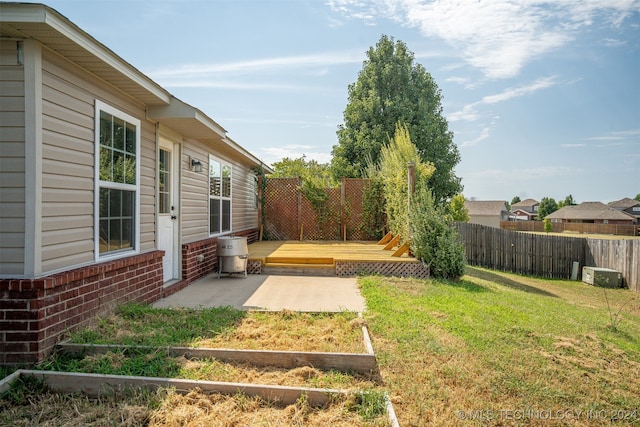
434 241
393 173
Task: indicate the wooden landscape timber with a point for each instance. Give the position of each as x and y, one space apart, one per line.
99 384
344 362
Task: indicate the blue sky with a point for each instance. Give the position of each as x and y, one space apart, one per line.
543 97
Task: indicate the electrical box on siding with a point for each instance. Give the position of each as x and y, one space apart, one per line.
604 277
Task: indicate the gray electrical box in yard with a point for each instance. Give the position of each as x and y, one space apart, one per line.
604 277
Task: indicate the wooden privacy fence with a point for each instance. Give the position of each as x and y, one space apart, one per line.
288 215
575 227
548 255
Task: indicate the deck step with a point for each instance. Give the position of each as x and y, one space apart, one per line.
288 269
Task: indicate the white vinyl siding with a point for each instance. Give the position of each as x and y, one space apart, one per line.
69 96
195 191
12 160
245 214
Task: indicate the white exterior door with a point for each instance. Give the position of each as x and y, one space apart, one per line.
167 210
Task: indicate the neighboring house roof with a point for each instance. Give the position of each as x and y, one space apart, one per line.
525 203
53 30
485 207
625 203
590 211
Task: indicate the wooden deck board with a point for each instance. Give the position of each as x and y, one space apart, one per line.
339 251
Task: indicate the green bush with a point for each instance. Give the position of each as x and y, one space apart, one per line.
434 241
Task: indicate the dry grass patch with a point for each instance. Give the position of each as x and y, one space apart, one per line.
165 407
291 331
158 328
227 328
305 376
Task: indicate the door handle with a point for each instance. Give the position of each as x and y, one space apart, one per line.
174 217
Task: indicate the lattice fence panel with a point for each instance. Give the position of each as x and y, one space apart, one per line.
353 209
290 216
417 270
281 209
323 223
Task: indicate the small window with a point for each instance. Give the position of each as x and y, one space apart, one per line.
636 209
117 181
219 197
164 177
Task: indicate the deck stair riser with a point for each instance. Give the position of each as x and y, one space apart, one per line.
299 269
294 266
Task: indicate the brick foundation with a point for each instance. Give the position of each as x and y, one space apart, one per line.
193 269
35 314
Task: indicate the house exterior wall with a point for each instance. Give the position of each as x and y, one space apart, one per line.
69 95
195 194
634 211
12 160
50 280
595 221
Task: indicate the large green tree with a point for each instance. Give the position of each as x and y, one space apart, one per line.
391 89
547 206
568 201
310 170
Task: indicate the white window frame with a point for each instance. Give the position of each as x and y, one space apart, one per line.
221 197
98 184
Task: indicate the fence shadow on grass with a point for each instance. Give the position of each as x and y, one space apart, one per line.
467 285
505 281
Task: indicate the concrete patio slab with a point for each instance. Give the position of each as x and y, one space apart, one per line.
273 293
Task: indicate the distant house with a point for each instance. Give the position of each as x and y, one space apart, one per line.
627 205
526 210
591 213
487 212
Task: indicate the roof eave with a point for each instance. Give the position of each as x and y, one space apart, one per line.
14 14
192 123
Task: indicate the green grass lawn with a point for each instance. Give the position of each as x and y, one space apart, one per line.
505 349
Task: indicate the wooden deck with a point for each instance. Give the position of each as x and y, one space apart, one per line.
323 250
330 258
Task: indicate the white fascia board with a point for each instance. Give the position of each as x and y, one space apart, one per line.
38 13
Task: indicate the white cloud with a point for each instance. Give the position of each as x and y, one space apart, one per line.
484 134
227 75
469 112
498 37
629 136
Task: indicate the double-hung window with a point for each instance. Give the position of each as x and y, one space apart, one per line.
219 197
117 180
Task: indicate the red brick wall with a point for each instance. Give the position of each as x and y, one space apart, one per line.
192 269
36 314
